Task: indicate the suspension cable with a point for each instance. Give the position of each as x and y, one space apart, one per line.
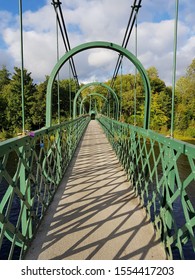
58 78
135 80
22 66
63 30
174 67
134 10
67 39
70 92
121 91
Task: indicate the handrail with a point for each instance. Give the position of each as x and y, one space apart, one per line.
31 169
154 165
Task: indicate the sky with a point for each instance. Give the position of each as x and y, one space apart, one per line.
94 20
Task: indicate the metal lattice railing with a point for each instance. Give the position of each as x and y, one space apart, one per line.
31 168
162 171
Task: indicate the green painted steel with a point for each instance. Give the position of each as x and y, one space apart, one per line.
31 169
91 94
154 165
22 65
93 84
106 45
174 67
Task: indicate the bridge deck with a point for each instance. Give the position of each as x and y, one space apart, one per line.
95 214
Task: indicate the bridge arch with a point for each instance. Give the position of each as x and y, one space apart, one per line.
106 45
91 94
91 84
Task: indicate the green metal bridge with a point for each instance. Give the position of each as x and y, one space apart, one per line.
152 164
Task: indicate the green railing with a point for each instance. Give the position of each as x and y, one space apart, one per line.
162 171
31 169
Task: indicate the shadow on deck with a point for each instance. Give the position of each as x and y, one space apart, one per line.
95 214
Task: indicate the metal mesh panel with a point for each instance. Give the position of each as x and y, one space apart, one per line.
162 172
31 169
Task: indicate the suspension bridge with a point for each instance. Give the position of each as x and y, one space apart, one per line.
94 187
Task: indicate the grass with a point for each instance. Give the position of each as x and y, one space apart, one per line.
184 137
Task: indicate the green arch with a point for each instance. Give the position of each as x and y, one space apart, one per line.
106 45
92 94
92 84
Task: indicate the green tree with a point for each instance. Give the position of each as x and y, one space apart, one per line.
130 87
133 88
38 113
160 102
185 106
4 80
12 94
4 77
67 94
158 116
157 85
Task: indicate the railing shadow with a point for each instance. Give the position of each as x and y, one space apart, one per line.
95 214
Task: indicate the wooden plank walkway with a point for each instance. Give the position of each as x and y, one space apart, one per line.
95 214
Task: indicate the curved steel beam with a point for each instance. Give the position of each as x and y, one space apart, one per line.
92 84
91 45
91 94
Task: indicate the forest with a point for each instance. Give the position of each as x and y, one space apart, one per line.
128 87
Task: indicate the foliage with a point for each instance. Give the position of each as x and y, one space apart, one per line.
4 80
185 106
129 89
12 97
34 101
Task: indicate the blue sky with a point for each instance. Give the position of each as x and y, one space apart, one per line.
91 20
13 5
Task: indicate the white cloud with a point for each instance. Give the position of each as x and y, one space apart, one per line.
4 59
5 18
155 47
39 53
92 20
189 47
101 58
42 20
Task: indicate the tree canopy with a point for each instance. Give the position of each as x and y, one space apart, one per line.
128 87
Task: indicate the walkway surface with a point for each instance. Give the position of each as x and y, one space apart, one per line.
95 214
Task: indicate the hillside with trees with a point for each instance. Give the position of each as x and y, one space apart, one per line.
128 87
